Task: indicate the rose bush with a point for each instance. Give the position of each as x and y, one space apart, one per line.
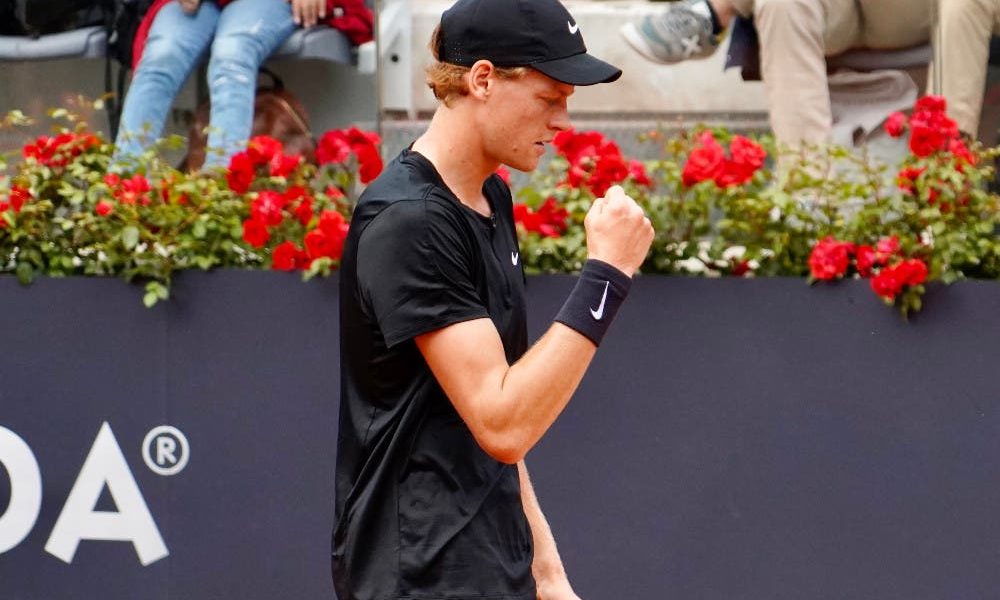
63 213
718 203
720 206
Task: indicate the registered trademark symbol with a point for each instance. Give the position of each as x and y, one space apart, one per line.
165 450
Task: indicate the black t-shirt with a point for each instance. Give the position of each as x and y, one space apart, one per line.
422 511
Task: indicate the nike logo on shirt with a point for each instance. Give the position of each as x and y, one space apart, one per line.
573 27
514 257
598 314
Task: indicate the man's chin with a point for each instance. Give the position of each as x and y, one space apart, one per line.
525 166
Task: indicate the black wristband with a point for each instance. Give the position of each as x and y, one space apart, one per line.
595 300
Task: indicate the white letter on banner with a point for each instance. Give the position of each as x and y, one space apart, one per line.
105 465
25 489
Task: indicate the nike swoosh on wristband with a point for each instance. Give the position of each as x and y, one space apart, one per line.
598 314
514 256
573 27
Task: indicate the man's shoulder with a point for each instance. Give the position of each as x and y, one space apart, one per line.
405 208
407 187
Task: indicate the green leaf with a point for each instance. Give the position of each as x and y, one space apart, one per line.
130 237
198 230
150 299
25 273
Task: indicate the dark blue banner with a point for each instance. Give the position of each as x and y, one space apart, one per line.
733 439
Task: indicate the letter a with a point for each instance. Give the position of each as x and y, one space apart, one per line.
105 465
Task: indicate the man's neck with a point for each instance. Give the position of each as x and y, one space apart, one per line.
455 149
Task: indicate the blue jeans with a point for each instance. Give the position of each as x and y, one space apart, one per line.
242 35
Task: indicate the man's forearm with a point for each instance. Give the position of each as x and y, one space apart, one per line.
507 407
547 566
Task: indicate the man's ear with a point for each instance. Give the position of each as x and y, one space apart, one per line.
481 77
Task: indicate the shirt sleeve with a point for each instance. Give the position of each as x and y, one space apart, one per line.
416 270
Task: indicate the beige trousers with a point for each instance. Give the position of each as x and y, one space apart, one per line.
962 47
797 35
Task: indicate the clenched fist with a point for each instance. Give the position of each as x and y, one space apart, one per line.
618 232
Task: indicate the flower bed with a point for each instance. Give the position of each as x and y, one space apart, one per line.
718 202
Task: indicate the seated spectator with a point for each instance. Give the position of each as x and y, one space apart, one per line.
796 36
241 34
966 27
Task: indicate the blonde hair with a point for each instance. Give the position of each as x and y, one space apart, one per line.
447 81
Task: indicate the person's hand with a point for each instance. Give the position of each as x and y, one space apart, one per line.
618 232
308 12
189 6
556 590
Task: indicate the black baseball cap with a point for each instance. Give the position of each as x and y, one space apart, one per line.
540 34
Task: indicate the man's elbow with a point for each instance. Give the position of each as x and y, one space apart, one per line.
504 448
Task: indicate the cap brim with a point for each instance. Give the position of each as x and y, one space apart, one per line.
579 69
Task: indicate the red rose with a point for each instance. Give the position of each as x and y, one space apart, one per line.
18 196
931 132
886 248
830 258
891 280
332 223
335 146
747 153
887 283
301 202
907 178
579 145
333 227
864 259
134 190
732 173
282 165
333 192
319 244
553 218
637 171
304 211
527 218
741 268
931 104
913 271
255 232
112 180
263 149
595 162
104 208
332 148
288 257
370 161
267 207
895 125
549 220
963 156
608 170
241 173
293 194
705 161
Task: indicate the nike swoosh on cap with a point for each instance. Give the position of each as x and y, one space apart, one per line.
573 27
